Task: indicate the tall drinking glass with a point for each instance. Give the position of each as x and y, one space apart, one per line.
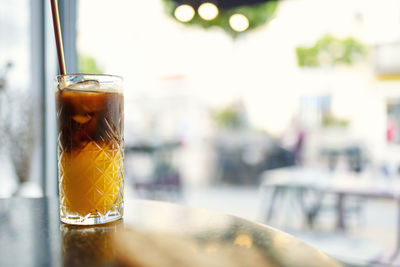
90 118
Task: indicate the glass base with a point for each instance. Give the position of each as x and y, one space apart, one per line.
91 219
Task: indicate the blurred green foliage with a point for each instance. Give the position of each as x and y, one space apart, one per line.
87 64
228 117
329 51
329 120
257 15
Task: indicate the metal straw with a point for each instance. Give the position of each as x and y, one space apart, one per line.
58 36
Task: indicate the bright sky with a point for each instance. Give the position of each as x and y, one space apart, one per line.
137 40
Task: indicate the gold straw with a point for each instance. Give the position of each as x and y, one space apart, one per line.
57 34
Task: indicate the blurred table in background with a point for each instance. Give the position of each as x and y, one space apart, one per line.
301 182
32 235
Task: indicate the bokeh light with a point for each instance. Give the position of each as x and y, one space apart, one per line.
184 13
238 22
208 11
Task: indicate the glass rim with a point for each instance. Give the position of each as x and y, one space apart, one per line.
90 75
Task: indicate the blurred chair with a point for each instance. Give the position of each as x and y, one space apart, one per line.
243 156
163 182
353 155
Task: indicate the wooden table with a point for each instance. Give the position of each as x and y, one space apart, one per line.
32 235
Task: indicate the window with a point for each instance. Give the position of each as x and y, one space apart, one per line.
20 102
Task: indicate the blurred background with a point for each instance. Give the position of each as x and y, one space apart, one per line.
282 112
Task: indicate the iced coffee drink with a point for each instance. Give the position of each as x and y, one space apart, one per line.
90 117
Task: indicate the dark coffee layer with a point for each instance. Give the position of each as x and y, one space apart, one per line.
89 116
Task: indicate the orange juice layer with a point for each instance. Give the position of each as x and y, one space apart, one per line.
91 179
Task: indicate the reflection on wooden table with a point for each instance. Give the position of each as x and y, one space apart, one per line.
88 245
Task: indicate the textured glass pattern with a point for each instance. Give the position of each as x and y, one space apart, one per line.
91 181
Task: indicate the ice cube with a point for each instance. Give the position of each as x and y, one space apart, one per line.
87 85
81 119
